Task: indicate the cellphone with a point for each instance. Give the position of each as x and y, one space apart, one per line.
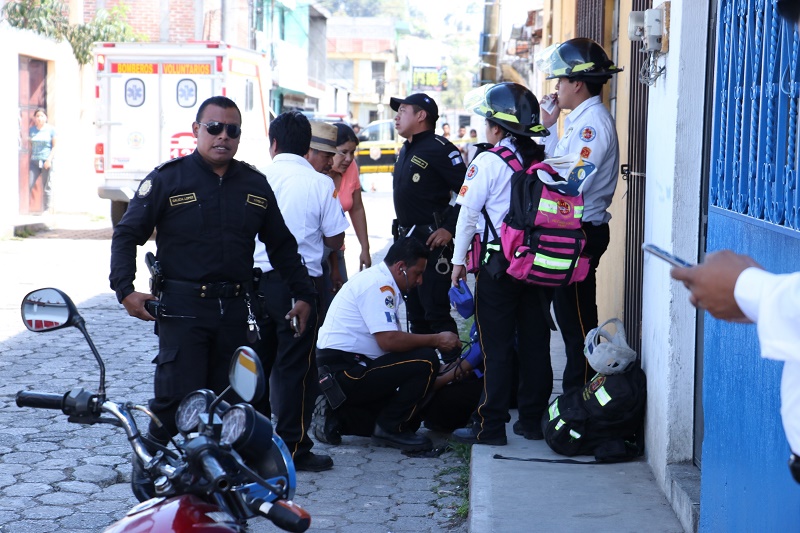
295 320
666 256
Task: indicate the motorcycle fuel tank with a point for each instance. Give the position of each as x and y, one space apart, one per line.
182 514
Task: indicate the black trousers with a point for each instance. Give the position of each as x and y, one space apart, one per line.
508 312
428 306
194 353
576 310
290 364
397 382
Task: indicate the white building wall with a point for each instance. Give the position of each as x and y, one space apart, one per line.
70 106
674 167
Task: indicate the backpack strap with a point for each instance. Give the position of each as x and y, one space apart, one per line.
508 156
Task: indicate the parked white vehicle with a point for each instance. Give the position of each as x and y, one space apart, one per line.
147 98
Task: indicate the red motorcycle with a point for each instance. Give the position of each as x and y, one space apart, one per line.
227 465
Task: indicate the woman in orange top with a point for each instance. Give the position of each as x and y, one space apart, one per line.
348 189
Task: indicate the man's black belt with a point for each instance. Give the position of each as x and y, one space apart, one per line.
218 289
421 231
337 360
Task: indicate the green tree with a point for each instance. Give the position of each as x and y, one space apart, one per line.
50 18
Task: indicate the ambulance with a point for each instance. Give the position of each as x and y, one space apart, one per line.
147 98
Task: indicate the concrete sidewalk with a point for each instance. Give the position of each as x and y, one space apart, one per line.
515 494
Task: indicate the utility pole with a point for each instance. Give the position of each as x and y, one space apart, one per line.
490 42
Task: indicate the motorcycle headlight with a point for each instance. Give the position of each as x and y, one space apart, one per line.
246 430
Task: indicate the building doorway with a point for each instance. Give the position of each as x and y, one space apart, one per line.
32 95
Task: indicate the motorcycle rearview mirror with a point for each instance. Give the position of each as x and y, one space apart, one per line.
50 309
246 374
47 310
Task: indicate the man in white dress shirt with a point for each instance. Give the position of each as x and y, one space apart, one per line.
315 217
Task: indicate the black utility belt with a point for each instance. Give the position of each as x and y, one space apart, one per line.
217 289
337 360
421 231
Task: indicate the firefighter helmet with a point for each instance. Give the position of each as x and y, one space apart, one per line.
577 59
509 105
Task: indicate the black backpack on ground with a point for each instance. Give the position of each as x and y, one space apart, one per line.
605 418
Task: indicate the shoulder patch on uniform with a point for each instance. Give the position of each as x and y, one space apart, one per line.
182 199
145 187
257 201
588 134
472 171
455 157
419 162
387 288
463 190
251 167
586 152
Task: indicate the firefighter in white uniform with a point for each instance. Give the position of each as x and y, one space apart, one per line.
582 68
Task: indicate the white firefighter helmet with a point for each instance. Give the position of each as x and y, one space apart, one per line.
609 354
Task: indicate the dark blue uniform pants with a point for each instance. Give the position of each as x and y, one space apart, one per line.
509 311
575 307
428 306
290 362
194 353
396 381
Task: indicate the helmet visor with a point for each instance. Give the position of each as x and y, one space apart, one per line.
475 100
543 59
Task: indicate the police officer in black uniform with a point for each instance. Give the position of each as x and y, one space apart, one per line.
428 169
207 209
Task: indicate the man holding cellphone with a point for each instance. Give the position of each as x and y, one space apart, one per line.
315 217
735 288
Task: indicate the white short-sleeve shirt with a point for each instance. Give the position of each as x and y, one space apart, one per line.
590 130
309 208
365 305
488 183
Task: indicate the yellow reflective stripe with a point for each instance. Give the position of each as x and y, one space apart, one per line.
536 128
489 249
553 410
582 67
559 424
574 434
551 262
504 116
566 71
602 395
548 206
578 211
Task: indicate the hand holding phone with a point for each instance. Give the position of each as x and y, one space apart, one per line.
295 321
666 256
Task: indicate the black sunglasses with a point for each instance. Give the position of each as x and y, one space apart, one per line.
215 128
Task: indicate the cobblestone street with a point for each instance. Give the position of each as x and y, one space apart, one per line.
56 476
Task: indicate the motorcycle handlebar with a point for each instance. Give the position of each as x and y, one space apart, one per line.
214 472
286 515
40 400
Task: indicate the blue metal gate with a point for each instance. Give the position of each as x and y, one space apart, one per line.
753 209
755 114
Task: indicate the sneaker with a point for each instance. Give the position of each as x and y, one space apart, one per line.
468 435
529 432
325 425
311 462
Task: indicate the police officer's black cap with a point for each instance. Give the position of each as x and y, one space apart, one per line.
422 100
